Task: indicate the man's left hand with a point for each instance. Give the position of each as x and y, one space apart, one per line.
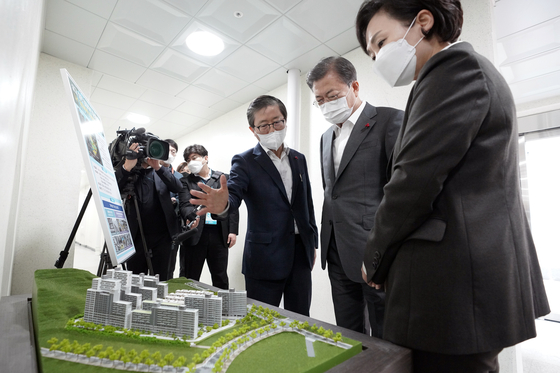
370 283
231 240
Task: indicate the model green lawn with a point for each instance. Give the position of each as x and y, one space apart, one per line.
60 294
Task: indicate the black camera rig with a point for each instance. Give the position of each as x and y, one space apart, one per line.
150 146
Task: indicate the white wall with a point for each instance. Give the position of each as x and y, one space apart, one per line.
51 174
20 30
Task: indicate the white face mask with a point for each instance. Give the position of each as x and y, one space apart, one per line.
396 61
195 166
273 140
337 111
170 159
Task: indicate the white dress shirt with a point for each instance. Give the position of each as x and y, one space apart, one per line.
282 164
342 134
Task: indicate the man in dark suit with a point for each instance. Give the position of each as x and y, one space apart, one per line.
214 237
354 157
281 233
152 184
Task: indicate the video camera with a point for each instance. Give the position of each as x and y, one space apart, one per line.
150 146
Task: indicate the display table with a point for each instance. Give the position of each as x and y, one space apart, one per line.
376 356
17 351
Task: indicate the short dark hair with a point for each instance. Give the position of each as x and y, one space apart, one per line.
448 17
194 149
260 103
172 143
340 65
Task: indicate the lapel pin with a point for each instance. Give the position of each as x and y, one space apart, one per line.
296 157
367 125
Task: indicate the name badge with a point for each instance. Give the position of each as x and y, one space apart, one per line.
209 219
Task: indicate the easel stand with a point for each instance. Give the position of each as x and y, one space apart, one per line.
64 253
140 227
105 259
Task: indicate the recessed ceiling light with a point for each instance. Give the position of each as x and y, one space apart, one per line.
205 43
138 118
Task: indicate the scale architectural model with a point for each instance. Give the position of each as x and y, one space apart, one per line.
146 328
125 300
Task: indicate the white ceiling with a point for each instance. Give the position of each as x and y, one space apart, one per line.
142 65
528 47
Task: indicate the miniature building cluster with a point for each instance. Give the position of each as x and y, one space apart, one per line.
125 300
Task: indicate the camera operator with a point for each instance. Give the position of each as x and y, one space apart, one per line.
158 217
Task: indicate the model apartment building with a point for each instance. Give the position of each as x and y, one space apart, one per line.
141 302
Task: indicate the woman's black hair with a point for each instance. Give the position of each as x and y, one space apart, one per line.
448 17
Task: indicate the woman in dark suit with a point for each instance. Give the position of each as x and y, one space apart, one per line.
450 242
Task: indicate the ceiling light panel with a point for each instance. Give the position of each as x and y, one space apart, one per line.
283 5
112 99
110 83
345 42
306 61
182 119
190 7
154 112
200 96
108 112
73 22
198 110
66 48
219 82
273 80
179 44
179 66
153 19
537 88
257 14
161 82
283 41
101 8
116 66
318 18
96 78
247 94
129 45
161 99
226 105
247 64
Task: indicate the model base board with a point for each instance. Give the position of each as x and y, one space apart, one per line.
261 341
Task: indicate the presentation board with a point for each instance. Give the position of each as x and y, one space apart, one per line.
99 168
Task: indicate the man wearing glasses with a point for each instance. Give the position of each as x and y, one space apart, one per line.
355 152
281 235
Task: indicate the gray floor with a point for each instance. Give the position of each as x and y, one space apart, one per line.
537 355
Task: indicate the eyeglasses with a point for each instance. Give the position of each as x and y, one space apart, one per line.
172 151
334 97
265 128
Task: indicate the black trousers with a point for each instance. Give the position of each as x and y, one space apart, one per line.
353 300
210 248
296 288
431 362
159 244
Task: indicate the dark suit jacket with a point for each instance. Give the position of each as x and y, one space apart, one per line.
270 239
164 182
450 236
229 225
353 195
